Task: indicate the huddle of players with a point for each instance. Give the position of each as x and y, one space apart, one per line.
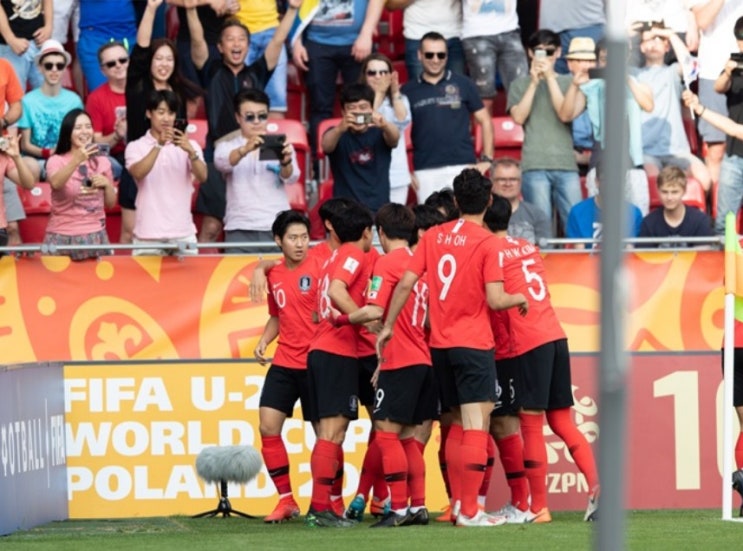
427 299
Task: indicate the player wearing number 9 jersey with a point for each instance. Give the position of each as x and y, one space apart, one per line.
461 261
292 301
542 380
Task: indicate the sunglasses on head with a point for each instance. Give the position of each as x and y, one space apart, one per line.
252 117
430 55
58 66
372 73
111 64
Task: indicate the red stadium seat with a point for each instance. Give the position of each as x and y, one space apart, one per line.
402 70
694 196
197 131
390 40
297 136
508 138
37 203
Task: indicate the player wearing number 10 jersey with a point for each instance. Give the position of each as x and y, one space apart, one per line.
460 259
538 344
292 301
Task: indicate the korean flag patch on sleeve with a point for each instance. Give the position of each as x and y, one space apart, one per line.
375 286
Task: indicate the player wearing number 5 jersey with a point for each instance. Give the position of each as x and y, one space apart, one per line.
460 259
538 345
292 301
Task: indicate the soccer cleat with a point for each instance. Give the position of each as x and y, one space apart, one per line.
480 519
420 517
392 520
380 507
455 512
592 510
286 509
514 515
337 506
355 510
445 516
542 516
326 519
738 481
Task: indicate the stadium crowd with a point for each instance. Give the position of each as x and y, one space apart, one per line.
163 133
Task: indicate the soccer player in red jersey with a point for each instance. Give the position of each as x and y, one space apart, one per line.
542 379
464 278
405 392
333 368
291 304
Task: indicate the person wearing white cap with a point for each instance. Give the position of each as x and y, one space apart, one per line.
24 26
45 107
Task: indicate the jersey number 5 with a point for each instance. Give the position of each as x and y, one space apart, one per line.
538 290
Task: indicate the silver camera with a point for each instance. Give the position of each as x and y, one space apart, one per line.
4 143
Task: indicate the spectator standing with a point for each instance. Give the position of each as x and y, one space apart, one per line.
24 27
376 71
222 77
100 22
164 163
550 172
664 139
491 39
45 107
82 186
67 22
106 105
441 104
13 169
569 19
527 221
581 57
675 219
256 188
675 14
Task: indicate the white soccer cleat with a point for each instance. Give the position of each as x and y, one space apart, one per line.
480 519
514 515
592 510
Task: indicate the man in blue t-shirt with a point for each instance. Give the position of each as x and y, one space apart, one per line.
441 104
360 149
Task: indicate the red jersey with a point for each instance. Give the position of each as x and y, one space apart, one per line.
459 257
368 341
409 345
293 299
347 264
321 252
524 273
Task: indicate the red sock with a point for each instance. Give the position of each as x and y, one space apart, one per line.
371 468
511 450
474 459
454 461
485 486
535 459
739 451
416 472
395 465
337 489
561 423
442 458
324 465
277 463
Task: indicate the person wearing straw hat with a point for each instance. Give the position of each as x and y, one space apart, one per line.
581 57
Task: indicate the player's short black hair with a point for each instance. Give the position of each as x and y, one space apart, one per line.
498 214
472 191
426 217
443 201
396 220
349 223
286 218
332 206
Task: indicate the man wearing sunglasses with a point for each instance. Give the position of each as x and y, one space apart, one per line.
106 105
45 107
441 104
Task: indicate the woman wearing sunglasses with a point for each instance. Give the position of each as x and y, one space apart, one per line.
376 71
82 186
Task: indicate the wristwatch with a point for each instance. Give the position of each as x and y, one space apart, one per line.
485 159
193 156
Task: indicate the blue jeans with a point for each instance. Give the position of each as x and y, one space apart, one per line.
730 190
594 31
454 63
276 87
543 187
24 65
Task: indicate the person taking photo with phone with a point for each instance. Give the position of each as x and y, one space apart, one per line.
82 187
257 169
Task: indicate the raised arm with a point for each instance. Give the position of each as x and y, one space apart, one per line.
199 47
706 14
730 127
273 50
144 32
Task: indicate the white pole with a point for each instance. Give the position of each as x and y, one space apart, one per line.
727 407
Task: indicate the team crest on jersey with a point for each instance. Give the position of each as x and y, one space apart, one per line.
305 282
351 264
375 286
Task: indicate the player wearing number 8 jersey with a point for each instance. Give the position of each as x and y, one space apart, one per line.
538 345
464 278
292 300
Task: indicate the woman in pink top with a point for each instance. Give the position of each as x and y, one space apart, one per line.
82 186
